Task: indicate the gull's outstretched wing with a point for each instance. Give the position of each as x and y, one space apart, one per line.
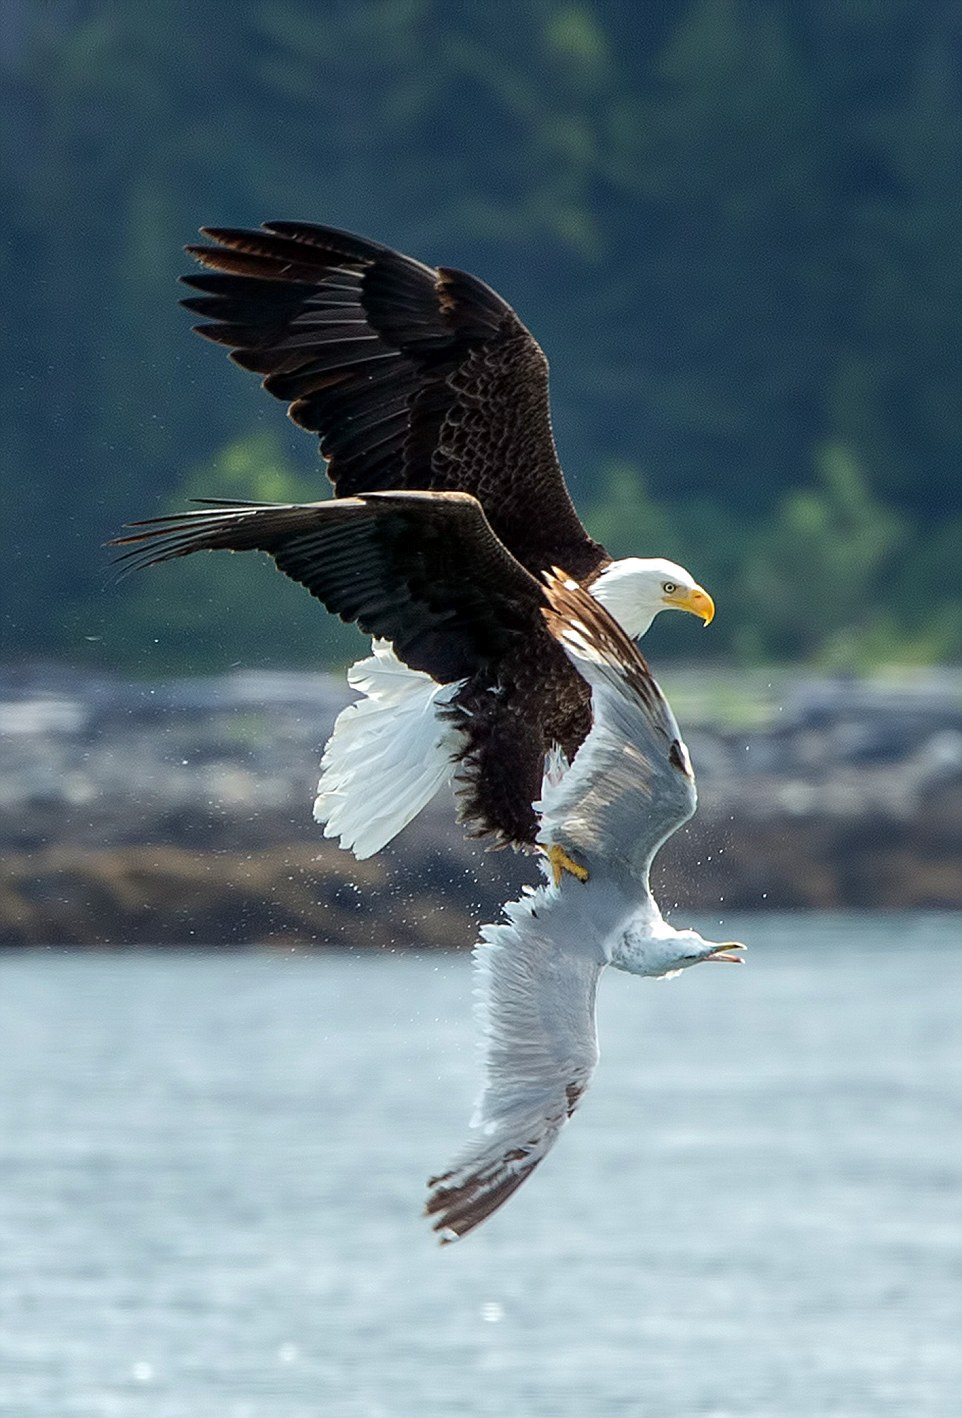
538 974
413 377
421 569
631 784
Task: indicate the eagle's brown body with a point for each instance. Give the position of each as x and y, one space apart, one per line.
507 736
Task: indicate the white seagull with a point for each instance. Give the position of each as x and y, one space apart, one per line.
629 788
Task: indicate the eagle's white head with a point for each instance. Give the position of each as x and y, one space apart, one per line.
636 588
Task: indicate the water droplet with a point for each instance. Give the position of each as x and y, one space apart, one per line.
492 1312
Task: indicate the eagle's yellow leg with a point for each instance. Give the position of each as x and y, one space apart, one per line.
561 863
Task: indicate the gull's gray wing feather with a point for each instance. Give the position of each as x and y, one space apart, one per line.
631 784
537 978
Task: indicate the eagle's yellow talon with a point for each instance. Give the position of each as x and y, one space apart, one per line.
561 863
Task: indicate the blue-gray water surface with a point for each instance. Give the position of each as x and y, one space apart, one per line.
212 1167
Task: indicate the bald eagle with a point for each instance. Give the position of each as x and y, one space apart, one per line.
431 401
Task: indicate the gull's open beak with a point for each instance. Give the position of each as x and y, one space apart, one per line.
696 600
724 952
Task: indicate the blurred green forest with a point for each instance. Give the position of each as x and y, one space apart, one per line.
734 225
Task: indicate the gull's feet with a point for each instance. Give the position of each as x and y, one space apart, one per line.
561 863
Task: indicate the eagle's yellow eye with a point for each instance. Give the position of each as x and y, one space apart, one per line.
668 587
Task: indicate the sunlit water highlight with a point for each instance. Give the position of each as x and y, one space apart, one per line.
212 1168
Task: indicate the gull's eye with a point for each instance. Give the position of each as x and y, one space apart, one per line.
668 587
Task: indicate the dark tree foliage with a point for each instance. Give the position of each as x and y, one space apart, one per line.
734 225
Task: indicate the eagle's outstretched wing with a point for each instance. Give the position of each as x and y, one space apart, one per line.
421 569
413 377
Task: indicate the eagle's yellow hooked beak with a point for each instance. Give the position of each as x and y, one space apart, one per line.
696 600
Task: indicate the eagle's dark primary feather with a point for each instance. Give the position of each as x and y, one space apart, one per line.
413 377
425 571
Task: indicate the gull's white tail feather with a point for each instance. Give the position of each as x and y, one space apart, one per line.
389 753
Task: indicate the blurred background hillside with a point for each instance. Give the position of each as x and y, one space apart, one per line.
734 225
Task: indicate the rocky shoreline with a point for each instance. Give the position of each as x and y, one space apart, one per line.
178 813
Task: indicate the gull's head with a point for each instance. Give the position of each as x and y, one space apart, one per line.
694 949
662 951
636 588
